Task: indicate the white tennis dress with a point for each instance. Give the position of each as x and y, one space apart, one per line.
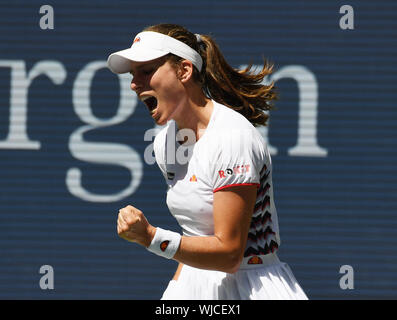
231 152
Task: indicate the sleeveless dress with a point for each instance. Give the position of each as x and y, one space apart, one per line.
231 152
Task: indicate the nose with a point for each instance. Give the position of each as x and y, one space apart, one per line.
135 84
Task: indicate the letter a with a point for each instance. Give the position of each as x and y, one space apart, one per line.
347 281
47 281
346 21
47 21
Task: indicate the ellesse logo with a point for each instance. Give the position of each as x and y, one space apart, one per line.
255 260
193 178
137 39
164 245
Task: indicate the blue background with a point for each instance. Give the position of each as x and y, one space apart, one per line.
335 210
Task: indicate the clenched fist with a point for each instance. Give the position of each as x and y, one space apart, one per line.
133 226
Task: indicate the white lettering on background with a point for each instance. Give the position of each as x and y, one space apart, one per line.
120 154
101 152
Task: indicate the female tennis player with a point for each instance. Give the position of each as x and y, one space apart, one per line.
222 195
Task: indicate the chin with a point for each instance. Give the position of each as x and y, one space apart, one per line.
160 122
163 119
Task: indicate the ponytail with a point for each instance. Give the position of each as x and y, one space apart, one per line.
241 90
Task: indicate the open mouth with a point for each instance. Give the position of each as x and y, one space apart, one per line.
151 103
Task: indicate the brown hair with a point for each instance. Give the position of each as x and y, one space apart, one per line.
240 90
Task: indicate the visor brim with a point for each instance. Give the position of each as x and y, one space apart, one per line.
120 62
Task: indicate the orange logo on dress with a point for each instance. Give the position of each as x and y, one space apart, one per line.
137 39
255 260
193 178
164 245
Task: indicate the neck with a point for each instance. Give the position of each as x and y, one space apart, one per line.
195 114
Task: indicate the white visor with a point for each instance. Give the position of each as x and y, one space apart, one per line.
149 45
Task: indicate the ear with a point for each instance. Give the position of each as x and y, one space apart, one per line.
185 71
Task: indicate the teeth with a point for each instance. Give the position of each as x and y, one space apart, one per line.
143 98
152 104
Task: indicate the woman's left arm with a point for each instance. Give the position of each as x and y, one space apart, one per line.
223 251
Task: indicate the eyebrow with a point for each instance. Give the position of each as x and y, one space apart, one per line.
155 64
140 67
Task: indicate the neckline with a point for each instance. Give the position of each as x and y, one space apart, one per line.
210 123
